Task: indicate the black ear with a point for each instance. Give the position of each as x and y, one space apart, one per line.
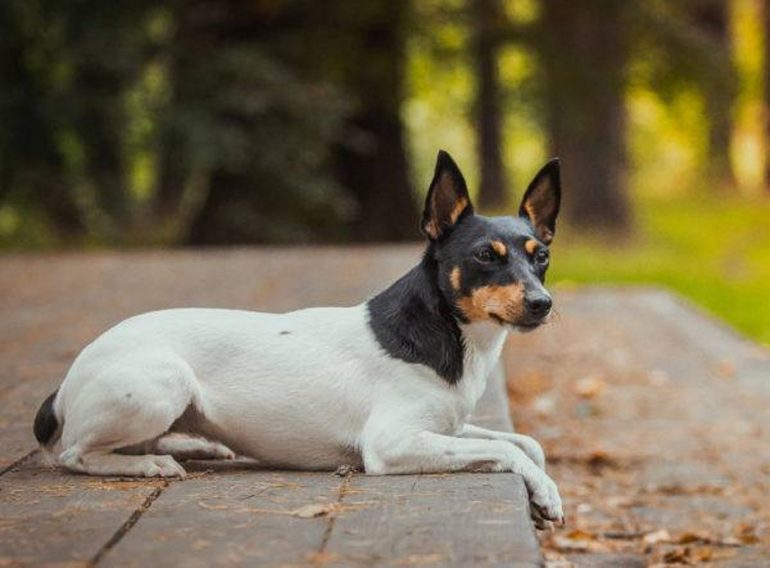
540 204
448 200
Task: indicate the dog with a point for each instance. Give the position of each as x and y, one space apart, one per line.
386 386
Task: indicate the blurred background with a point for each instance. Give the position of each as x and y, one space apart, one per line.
171 123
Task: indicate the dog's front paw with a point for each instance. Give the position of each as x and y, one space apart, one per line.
545 502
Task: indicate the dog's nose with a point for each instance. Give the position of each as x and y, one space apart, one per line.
538 304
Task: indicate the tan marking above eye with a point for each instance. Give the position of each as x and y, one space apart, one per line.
531 246
504 302
454 278
500 248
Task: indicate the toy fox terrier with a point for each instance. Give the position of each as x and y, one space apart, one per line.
386 385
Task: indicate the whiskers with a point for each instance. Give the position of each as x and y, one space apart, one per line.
553 318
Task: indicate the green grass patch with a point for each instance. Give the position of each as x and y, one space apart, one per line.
715 251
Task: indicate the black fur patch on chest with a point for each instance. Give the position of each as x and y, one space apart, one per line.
412 322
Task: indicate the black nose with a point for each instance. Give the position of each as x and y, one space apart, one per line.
538 304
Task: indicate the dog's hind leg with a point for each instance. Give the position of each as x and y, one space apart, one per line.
185 447
123 406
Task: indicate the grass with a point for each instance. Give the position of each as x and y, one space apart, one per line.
715 251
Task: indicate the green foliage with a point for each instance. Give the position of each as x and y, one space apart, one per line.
120 118
242 115
715 251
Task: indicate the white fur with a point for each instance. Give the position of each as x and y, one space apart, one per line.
322 395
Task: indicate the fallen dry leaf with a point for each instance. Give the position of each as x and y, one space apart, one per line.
726 369
579 541
578 534
526 386
544 405
703 555
729 541
655 537
555 559
746 534
691 537
322 558
589 387
600 458
622 501
314 510
679 555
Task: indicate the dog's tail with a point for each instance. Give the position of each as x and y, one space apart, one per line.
47 427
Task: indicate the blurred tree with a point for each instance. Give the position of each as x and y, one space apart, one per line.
232 121
246 139
325 119
685 47
766 90
371 158
584 50
711 18
490 25
31 163
167 122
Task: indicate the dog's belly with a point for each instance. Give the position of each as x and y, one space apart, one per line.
317 431
292 452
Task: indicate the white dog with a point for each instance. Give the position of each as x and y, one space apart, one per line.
386 385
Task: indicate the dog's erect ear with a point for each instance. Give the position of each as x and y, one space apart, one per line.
540 204
447 200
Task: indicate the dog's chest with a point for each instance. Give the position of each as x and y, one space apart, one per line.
483 345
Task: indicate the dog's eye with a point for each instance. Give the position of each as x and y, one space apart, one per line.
541 256
485 255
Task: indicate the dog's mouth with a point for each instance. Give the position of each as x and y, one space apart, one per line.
527 327
521 325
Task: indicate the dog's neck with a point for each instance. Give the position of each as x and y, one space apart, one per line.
485 338
413 321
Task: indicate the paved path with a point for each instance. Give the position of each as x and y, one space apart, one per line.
655 417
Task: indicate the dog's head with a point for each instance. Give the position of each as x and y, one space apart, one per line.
492 268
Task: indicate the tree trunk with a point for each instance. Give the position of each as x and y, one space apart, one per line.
584 54
766 30
492 190
712 17
372 162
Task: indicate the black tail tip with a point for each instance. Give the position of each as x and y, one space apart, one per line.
45 420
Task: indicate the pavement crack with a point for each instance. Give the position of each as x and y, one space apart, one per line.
19 461
333 518
128 525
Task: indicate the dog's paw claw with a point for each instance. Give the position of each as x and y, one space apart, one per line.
545 502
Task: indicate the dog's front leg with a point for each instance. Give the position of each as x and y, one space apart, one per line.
428 452
528 445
